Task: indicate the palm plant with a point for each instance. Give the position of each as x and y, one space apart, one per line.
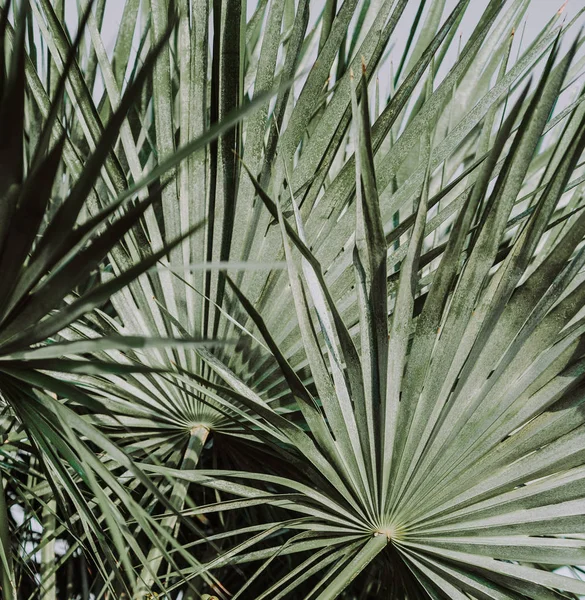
48 251
439 449
416 416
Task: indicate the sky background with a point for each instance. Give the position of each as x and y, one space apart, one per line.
538 14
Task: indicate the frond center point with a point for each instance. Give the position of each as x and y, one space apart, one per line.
390 531
199 429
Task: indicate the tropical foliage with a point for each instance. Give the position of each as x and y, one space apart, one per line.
292 301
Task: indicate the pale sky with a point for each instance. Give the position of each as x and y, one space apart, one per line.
538 14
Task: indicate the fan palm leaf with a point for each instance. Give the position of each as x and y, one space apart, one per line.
427 437
402 276
49 248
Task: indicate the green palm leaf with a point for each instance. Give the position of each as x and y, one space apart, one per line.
267 334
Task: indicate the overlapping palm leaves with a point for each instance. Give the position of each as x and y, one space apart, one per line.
430 438
48 252
44 259
420 407
150 413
